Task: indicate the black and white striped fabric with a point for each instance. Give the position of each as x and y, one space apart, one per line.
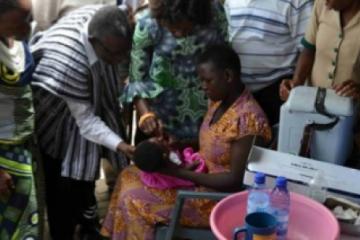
63 71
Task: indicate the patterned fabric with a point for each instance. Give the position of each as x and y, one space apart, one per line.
135 209
17 114
64 71
163 69
18 210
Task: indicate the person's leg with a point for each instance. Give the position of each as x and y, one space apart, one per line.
88 218
59 199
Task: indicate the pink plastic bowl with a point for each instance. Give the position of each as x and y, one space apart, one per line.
309 220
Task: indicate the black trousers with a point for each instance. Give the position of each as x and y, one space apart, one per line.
69 202
269 100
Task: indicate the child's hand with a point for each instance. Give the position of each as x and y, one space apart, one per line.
193 166
167 140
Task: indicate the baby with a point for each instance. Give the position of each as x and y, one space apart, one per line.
152 155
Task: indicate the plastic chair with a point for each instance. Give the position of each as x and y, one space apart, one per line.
174 230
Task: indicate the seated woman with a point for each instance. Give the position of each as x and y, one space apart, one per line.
227 133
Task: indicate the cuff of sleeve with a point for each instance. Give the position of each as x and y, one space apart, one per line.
307 44
112 141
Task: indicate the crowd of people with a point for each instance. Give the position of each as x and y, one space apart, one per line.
206 74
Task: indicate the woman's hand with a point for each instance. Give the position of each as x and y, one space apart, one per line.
6 183
349 88
127 149
150 124
285 88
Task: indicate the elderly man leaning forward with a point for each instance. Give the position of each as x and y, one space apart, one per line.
79 63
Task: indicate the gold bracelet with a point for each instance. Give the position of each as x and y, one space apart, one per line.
145 116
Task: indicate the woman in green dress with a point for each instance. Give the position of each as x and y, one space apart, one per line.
163 82
18 205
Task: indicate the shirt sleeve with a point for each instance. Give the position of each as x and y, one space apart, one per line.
141 51
91 126
142 54
298 19
309 40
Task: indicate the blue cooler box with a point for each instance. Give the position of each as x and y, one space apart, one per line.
332 143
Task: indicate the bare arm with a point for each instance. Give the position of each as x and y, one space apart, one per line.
142 106
226 181
304 66
302 72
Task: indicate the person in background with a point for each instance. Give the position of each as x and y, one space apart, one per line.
47 12
135 4
331 54
232 122
80 65
163 81
19 217
266 35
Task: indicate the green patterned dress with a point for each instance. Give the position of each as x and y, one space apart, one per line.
163 70
19 218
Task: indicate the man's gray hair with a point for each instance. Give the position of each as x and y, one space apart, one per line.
110 21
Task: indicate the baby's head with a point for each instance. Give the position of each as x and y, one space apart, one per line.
150 155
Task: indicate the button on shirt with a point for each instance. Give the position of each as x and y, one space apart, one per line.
337 56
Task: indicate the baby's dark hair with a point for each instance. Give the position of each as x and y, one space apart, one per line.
196 11
148 156
222 57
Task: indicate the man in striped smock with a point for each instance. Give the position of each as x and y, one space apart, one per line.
267 35
77 82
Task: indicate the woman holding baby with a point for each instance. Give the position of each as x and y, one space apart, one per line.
232 123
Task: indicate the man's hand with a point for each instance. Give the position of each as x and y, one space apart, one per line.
6 183
127 149
285 88
349 88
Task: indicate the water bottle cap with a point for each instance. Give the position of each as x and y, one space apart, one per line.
281 182
259 178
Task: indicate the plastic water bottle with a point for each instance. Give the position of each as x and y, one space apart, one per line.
280 207
317 189
258 199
